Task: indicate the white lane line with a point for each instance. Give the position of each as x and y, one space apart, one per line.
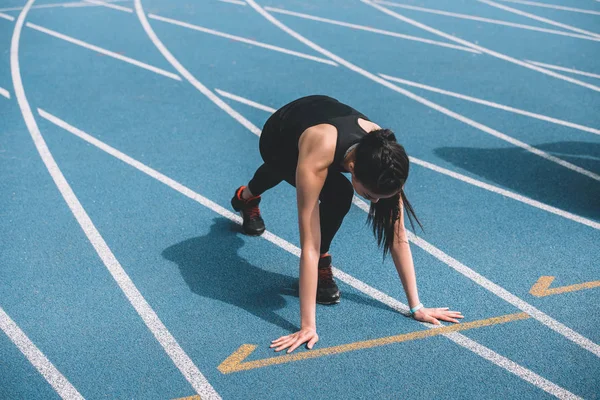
61 385
186 74
241 39
573 71
109 5
181 360
480 48
556 7
537 18
245 101
306 16
370 29
221 34
460 177
238 2
497 289
546 320
492 104
507 193
486 20
424 101
54 5
104 51
6 16
507 364
458 338
77 5
5 93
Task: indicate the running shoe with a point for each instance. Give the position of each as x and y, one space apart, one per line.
327 290
253 223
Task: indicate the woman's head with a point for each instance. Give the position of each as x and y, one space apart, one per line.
379 167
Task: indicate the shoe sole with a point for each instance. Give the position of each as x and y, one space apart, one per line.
328 303
253 233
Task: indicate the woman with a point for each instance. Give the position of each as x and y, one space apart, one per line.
309 143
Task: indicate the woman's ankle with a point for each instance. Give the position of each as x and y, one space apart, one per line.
246 194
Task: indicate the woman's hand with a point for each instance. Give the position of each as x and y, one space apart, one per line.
296 339
432 315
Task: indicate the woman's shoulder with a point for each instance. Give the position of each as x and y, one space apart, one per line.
321 134
318 141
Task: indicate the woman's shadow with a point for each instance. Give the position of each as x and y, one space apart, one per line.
211 267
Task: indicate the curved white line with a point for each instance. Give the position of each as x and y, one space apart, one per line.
546 20
559 68
369 29
51 5
238 2
5 93
507 193
245 101
554 6
145 311
187 75
394 304
487 20
455 175
424 101
497 290
494 105
6 16
109 5
241 39
103 51
61 385
480 48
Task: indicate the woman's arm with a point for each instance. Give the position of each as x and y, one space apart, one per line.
316 152
403 261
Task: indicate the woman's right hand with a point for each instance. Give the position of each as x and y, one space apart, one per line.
294 340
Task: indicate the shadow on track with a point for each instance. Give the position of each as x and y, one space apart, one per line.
527 174
211 267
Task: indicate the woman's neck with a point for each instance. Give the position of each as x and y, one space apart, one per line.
349 157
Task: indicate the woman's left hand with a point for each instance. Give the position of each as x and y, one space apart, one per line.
433 315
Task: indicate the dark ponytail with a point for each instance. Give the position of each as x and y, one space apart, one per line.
381 165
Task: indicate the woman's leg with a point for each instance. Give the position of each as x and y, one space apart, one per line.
247 198
268 175
265 177
336 200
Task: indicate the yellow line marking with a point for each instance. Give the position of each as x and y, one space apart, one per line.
235 362
196 397
540 288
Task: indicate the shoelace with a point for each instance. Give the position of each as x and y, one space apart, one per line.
253 212
325 274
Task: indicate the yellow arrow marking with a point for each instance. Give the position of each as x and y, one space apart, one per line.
540 289
189 398
234 362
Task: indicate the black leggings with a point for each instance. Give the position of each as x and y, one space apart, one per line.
279 152
335 198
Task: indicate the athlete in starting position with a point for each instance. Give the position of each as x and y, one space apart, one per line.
309 143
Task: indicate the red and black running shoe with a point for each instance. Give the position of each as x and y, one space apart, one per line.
253 223
327 290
